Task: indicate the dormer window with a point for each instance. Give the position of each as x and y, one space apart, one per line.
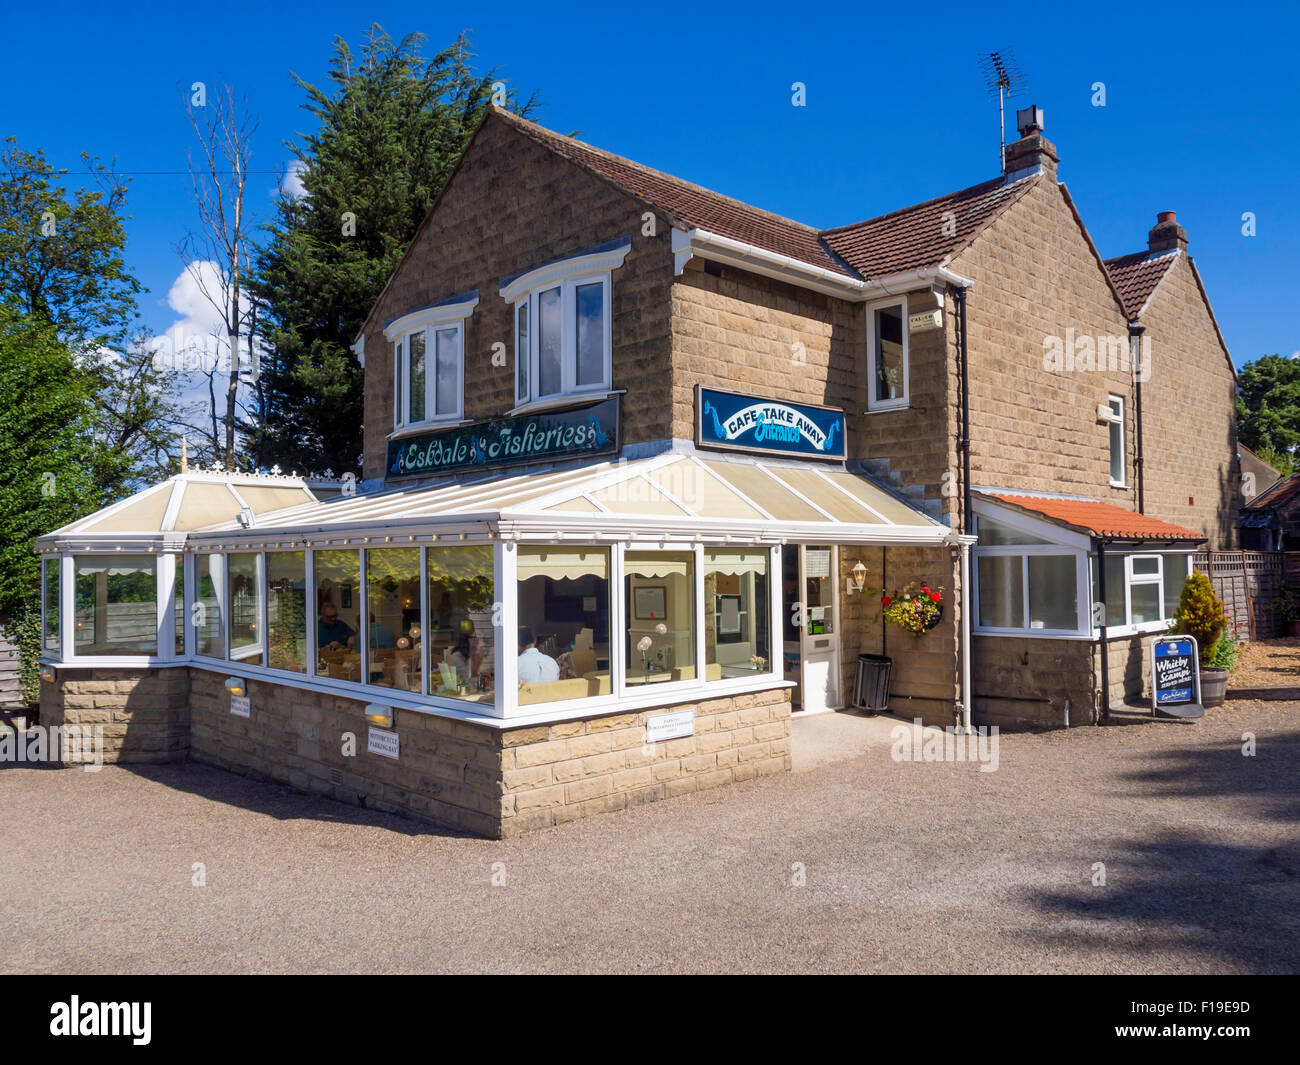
429 362
562 326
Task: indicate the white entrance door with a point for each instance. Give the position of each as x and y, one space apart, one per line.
820 631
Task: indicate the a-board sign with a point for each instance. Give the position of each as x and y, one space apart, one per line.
1175 675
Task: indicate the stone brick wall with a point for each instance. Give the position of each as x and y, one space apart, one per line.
1188 418
925 681
448 771
561 772
736 330
144 712
513 205
1021 682
485 780
1036 276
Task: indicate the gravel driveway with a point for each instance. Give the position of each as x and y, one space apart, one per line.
907 867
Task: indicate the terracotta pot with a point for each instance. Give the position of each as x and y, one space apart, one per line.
1214 686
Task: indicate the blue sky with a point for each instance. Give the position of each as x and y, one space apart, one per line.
1200 114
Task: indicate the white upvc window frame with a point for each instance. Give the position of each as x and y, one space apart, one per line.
428 322
568 275
1126 628
1061 543
905 398
1117 418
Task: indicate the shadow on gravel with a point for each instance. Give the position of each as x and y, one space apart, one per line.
279 801
1214 896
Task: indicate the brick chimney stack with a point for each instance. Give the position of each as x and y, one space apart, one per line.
1032 149
1167 234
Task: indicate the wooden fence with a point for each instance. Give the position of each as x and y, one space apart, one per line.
10 693
1250 583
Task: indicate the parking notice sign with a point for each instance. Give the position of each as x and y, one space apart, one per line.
1175 676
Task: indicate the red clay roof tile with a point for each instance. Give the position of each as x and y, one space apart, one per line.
1099 519
1136 277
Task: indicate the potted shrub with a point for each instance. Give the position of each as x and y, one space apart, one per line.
1201 615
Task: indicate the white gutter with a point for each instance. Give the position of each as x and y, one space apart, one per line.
716 248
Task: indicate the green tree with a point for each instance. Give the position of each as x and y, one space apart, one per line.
62 257
50 462
390 130
1268 405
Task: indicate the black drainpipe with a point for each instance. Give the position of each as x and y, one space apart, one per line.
1135 332
1105 650
960 295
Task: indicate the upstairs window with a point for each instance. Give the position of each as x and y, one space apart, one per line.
563 326
887 355
429 363
1115 420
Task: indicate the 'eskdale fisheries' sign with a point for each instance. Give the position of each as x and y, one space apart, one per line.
751 423
587 430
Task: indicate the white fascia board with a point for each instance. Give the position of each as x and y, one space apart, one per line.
603 260
689 243
451 311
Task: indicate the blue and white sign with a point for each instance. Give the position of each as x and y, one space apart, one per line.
1175 672
751 423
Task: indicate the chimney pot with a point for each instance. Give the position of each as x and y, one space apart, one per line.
1167 216
1166 234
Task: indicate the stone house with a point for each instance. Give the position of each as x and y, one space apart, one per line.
685 449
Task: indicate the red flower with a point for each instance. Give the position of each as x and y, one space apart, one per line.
934 597
925 588
885 600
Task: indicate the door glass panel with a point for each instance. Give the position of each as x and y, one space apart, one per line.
819 591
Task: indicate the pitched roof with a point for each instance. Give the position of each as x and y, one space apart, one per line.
1136 277
691 206
1098 519
1275 494
926 234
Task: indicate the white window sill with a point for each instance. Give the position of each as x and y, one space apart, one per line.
429 426
569 400
1119 484
1033 634
884 405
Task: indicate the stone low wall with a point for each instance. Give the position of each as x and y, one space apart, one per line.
478 778
144 713
561 772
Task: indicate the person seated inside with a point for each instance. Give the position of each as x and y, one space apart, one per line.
534 667
333 634
381 636
467 654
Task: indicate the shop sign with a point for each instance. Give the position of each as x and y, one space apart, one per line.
923 320
240 706
381 742
1175 674
739 422
591 429
669 726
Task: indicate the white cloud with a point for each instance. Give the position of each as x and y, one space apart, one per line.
291 186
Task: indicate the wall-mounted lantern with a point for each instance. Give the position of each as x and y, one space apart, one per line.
378 714
857 580
235 685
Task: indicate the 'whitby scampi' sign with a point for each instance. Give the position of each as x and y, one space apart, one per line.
592 429
751 423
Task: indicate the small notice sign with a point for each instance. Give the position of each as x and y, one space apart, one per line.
1175 676
670 726
382 742
240 706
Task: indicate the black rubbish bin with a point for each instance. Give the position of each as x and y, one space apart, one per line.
872 689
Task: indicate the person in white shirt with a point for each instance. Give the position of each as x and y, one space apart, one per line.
534 667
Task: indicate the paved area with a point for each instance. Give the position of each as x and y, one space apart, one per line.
858 864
